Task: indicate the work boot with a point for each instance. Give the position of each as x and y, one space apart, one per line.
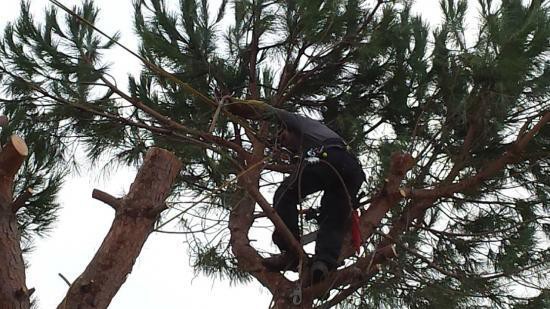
319 271
281 262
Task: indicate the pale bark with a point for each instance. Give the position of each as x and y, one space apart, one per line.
135 217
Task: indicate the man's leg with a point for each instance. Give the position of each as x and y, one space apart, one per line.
285 202
335 216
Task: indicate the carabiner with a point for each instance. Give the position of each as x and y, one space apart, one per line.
297 296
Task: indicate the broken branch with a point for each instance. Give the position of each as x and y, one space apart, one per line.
106 198
64 279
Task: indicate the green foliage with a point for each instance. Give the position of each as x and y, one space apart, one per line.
211 263
41 69
381 78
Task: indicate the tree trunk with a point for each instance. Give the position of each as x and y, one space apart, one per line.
13 289
135 216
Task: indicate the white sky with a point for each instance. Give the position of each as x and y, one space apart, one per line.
162 277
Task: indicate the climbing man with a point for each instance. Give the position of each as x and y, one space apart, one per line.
325 165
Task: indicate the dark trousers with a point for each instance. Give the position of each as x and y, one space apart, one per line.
340 176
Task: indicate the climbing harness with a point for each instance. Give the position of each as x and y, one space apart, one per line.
319 155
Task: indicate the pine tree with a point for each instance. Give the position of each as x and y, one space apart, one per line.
453 134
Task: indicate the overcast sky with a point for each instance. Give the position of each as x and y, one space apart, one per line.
161 277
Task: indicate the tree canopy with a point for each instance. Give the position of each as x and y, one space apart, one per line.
453 134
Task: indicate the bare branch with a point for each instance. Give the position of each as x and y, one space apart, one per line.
106 198
64 279
280 226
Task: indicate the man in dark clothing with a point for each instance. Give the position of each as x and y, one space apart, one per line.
325 165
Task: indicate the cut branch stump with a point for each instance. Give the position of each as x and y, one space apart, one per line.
136 214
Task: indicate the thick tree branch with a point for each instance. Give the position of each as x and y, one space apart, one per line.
13 289
355 275
137 212
240 222
280 226
514 154
383 201
417 210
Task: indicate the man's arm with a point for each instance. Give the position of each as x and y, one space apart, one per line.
250 109
258 110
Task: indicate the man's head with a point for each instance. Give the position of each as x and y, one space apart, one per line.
288 139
